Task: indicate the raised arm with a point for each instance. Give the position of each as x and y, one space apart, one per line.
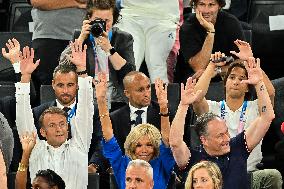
162 93
179 148
25 122
101 88
28 142
200 106
260 125
55 4
82 128
244 53
201 59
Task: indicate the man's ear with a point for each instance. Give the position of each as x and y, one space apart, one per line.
126 93
202 139
53 84
42 132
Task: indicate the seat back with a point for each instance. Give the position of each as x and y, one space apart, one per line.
46 94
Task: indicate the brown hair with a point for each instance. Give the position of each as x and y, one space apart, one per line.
221 3
51 110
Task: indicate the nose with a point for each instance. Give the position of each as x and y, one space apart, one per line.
65 89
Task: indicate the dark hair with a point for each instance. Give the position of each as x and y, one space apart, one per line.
65 68
103 5
221 3
201 124
238 64
51 178
51 110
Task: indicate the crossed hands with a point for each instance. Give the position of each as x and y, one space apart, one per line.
28 141
188 96
254 71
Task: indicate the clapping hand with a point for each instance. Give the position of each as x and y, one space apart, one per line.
254 71
13 55
188 96
161 92
244 48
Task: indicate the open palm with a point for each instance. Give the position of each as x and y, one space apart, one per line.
27 65
188 96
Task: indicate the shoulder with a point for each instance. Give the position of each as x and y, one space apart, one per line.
39 109
117 33
121 111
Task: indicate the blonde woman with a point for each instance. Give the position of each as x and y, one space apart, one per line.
144 141
205 175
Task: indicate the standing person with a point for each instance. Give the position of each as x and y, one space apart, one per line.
54 23
143 142
68 158
204 174
238 111
139 175
217 146
153 23
110 51
208 30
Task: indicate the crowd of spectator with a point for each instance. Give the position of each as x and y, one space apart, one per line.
104 119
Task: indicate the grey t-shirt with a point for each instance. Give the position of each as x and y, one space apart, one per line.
57 24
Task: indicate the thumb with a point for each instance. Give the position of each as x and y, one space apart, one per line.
234 52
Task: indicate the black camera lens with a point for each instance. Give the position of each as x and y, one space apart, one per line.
98 27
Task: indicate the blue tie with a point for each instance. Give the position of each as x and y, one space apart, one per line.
138 118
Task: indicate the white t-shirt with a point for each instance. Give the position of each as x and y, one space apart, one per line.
233 119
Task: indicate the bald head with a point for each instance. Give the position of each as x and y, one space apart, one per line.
132 77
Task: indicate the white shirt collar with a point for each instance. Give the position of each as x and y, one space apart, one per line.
59 105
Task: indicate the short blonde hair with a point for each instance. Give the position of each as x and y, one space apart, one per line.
213 171
139 131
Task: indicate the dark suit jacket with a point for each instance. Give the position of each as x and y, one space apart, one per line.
97 134
121 122
123 44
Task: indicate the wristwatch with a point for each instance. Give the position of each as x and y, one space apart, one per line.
112 51
82 72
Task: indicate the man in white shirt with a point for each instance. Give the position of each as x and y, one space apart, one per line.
68 158
237 110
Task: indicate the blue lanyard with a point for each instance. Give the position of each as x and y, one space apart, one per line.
242 116
72 113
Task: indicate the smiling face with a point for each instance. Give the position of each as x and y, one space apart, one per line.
54 129
106 15
202 180
216 142
144 149
234 87
209 9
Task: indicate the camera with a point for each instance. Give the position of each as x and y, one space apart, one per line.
98 27
227 59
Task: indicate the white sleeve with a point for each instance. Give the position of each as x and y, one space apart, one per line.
214 107
82 124
24 115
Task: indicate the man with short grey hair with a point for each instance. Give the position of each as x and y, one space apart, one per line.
139 174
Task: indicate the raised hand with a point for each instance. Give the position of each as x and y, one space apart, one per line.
13 54
27 65
85 31
207 25
162 93
101 86
78 55
103 42
188 96
28 141
244 48
254 71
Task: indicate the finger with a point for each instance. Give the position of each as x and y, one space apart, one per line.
4 52
234 53
8 46
11 44
258 63
246 65
32 53
85 48
16 42
37 63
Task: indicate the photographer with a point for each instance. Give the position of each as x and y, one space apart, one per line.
110 50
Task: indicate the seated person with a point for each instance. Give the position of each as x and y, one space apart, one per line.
44 178
230 154
139 175
68 158
204 174
110 51
143 141
208 30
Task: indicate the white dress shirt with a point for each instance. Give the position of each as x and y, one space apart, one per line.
70 160
133 115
